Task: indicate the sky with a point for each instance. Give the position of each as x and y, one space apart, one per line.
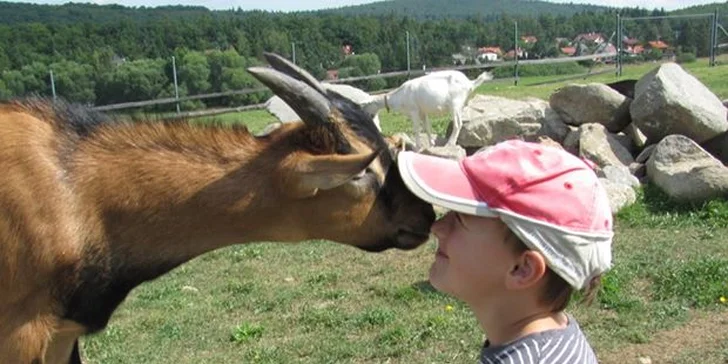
294 5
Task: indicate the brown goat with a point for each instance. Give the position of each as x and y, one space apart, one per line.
91 207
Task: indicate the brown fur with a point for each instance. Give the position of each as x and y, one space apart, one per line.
87 213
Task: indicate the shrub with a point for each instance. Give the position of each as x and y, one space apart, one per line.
686 58
529 70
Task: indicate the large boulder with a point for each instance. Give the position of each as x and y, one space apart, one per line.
685 171
669 100
639 140
592 103
454 152
602 147
552 126
488 120
276 106
620 195
619 174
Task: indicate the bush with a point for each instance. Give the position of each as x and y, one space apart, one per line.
530 70
633 59
653 55
686 58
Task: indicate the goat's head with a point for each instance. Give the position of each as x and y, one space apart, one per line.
339 179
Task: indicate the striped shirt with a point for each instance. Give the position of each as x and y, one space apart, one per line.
563 346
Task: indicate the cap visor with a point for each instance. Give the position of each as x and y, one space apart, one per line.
441 182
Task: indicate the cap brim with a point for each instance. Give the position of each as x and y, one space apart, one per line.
441 182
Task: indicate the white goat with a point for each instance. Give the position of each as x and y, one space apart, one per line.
436 93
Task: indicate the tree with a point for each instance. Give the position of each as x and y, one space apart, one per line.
5 92
74 81
4 60
132 81
35 78
362 65
194 72
13 81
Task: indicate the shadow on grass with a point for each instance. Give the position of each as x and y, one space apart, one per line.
426 288
654 208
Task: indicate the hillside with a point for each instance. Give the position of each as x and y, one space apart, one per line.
435 9
706 9
70 13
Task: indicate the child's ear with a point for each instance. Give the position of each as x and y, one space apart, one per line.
527 270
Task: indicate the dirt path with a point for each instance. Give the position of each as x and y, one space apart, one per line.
704 333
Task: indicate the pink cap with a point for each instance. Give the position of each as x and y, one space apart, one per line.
548 197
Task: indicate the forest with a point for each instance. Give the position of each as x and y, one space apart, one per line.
105 54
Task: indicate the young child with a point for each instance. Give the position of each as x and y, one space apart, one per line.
528 225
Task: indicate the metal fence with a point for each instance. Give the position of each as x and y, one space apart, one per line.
408 73
715 28
717 33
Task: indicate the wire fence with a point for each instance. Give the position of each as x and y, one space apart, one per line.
718 40
409 73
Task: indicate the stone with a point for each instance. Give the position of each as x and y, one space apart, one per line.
668 100
593 103
620 195
619 174
454 152
639 170
645 154
638 137
686 172
601 147
488 120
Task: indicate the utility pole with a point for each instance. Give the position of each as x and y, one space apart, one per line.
515 53
293 52
53 86
713 38
174 75
619 46
408 53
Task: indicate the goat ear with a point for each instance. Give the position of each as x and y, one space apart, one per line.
323 172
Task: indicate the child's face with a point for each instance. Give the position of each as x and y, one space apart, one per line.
473 258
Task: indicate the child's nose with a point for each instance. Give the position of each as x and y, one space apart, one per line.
442 226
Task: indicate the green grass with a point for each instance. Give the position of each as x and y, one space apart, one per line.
319 302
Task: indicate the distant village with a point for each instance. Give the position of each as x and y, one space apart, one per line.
582 44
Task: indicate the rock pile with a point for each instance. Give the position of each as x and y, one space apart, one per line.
673 133
666 128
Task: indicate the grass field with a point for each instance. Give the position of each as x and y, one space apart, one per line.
319 302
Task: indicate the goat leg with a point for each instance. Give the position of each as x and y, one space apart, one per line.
457 125
417 129
430 133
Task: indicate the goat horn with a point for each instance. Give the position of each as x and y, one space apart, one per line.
311 106
289 68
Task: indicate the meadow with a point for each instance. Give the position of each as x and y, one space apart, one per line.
320 302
